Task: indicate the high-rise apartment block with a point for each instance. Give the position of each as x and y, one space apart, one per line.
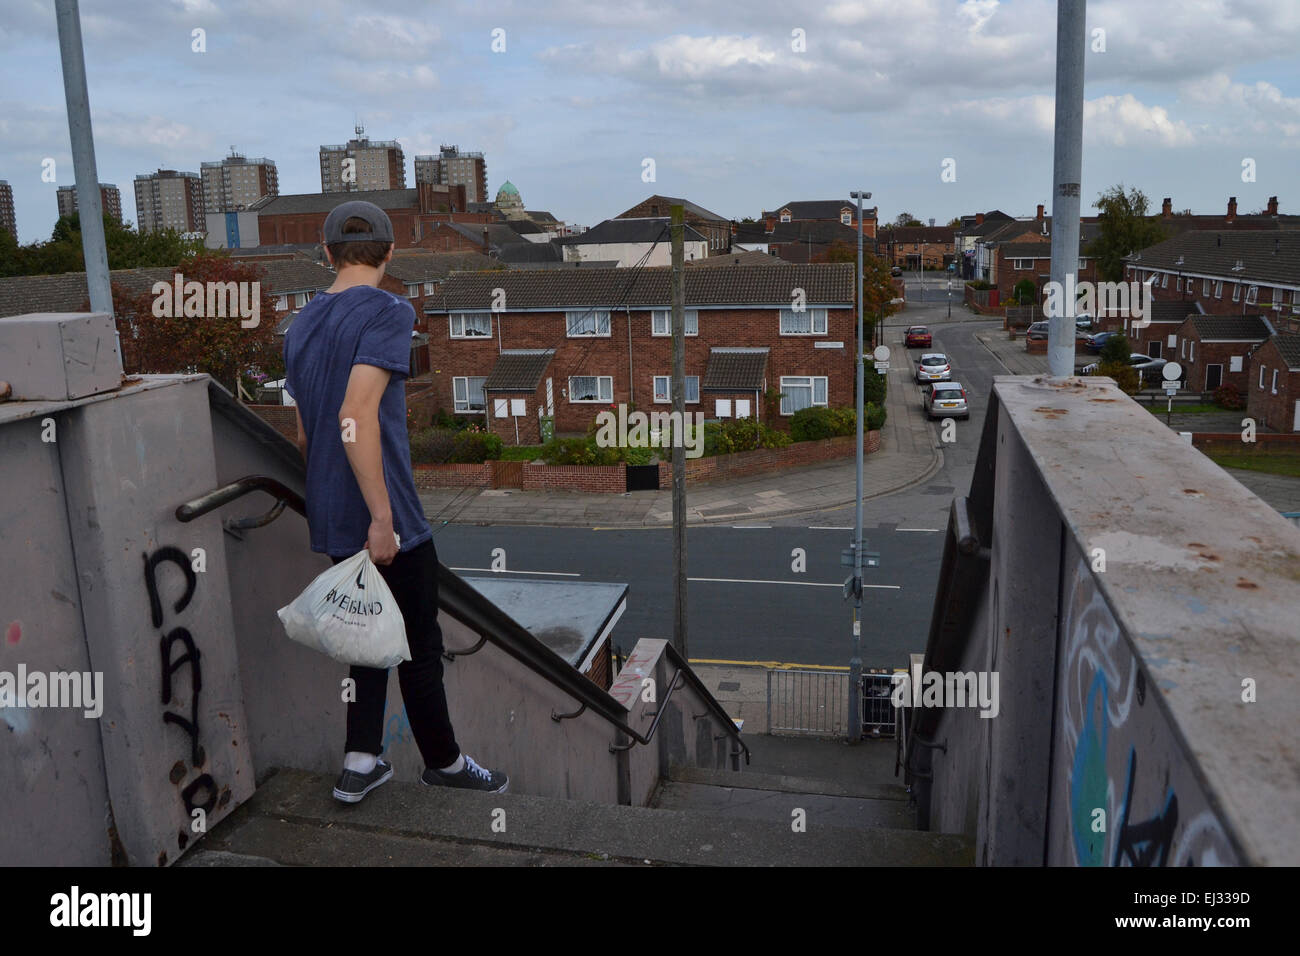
236 182
451 167
169 199
7 220
110 198
362 165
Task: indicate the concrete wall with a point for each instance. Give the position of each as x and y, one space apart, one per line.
1138 609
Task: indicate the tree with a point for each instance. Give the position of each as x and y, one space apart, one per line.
222 347
954 223
127 249
1024 291
878 287
1116 350
1124 228
906 219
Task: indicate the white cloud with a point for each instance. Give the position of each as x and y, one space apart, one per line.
701 56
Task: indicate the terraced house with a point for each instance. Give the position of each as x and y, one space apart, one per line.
517 346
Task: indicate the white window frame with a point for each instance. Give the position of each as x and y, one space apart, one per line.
584 316
1083 264
457 321
429 288
1182 348
813 316
603 395
1164 281
1191 350
413 290
1235 363
300 299
460 405
785 217
1275 371
667 381
846 218
1252 295
1022 264
804 381
282 303
1262 370
692 318
1205 286
1236 292
1218 289
1178 286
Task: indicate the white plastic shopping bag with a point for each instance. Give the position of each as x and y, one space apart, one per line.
349 613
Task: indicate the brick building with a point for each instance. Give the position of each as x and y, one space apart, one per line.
1215 350
299 217
572 342
110 200
906 246
1030 258
1158 337
842 211
714 229
1273 384
169 199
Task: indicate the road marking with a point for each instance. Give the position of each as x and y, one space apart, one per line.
563 574
916 529
805 584
817 527
753 527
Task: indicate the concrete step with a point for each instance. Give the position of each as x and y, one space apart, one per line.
294 819
780 806
788 783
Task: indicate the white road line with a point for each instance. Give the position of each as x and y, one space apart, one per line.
822 527
806 584
916 529
563 574
754 527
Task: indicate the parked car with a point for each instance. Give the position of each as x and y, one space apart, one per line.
944 400
896 271
1146 366
1097 341
1037 332
933 367
917 337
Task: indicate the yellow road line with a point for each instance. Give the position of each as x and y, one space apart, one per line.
774 665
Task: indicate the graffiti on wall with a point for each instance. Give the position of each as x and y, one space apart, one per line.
1132 798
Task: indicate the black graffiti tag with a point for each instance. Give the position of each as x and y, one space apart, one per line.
1146 843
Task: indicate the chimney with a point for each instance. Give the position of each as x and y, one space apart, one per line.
979 219
487 245
1040 212
1167 210
1232 208
1272 205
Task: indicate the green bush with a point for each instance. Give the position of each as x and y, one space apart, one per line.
521 452
874 384
432 446
474 448
1229 396
1116 350
1125 375
456 423
812 423
579 451
979 285
741 434
875 415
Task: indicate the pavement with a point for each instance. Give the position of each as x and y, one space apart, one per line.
908 455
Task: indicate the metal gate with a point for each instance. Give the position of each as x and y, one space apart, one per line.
808 702
507 474
642 478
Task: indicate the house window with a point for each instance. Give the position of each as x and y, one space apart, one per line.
1236 292
413 290
1022 263
1191 351
722 408
300 299
591 388
467 390
802 391
429 287
661 322
282 303
663 388
1083 264
785 215
471 325
1182 348
1234 363
588 323
1205 287
1164 281
807 322
1262 370
846 218
1218 289
1178 286
1252 295
1275 381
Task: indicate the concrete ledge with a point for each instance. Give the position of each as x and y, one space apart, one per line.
771 781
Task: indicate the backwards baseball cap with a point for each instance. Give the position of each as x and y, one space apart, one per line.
381 227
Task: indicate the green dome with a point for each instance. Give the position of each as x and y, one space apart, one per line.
507 189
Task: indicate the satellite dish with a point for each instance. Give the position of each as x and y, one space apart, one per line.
882 353
1172 372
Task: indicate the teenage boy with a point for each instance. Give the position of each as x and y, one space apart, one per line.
346 357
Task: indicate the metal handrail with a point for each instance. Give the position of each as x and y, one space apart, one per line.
467 605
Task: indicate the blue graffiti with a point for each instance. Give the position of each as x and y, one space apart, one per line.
397 728
1088 781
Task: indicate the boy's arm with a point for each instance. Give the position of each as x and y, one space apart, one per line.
302 434
359 423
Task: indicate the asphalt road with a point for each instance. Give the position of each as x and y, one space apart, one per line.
746 602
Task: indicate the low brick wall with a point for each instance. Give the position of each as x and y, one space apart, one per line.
601 478
280 417
745 463
451 476
1231 441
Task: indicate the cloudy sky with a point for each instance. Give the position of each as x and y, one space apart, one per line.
742 106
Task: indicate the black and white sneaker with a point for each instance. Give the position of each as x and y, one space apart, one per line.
353 785
470 777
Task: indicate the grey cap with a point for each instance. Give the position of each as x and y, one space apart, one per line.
381 227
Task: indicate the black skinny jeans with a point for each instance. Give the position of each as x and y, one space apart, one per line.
413 578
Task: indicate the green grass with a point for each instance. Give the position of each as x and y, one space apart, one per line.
521 453
1270 462
1158 408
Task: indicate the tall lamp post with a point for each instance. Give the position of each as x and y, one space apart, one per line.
855 661
950 298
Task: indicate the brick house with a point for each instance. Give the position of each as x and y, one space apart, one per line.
1215 350
1030 258
572 342
714 229
1273 385
842 211
1226 272
905 246
1158 337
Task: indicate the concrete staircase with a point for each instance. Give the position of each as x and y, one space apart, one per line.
697 817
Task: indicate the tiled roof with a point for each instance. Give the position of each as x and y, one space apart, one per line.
541 217
525 251
632 230
1033 250
934 234
1231 327
293 275
499 234
518 370
1179 312
325 202
688 207
427 266
1289 346
553 289
751 257
820 209
814 232
1266 256
735 369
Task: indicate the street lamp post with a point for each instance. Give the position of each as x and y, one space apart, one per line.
855 661
950 298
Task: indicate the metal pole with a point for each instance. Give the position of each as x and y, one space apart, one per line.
1067 173
679 447
855 662
89 204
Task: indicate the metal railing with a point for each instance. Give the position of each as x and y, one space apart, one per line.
807 702
467 605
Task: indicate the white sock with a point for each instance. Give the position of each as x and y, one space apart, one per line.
358 761
456 767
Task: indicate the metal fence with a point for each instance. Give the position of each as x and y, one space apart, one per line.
808 702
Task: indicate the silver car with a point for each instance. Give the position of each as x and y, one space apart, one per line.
945 400
1148 368
933 367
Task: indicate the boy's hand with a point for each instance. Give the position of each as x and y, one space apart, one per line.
381 542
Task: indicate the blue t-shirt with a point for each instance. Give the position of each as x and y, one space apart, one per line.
362 325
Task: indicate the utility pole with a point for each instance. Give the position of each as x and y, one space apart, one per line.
855 662
679 447
89 204
1067 173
